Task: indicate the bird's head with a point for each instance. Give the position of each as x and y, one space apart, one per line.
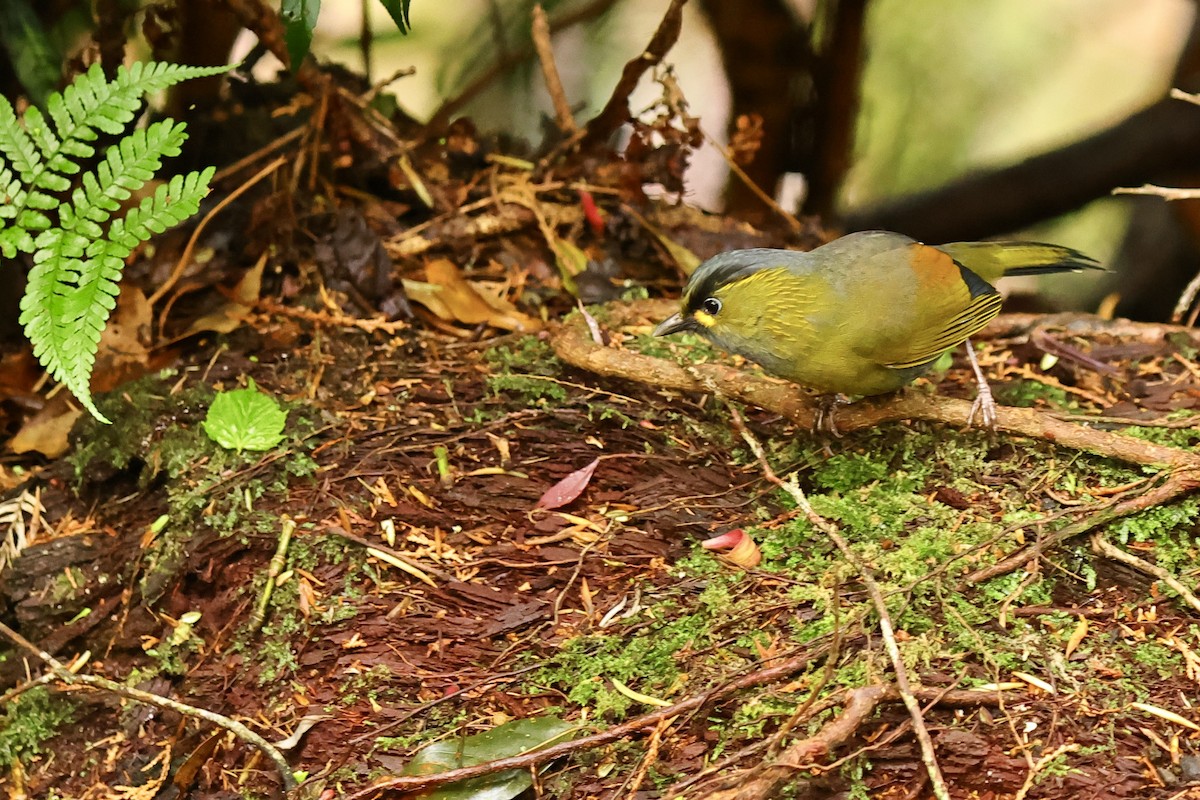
726 297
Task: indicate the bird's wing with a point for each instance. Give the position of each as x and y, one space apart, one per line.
949 303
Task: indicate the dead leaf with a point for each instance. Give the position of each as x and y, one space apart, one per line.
242 298
1081 630
569 488
123 352
46 432
453 298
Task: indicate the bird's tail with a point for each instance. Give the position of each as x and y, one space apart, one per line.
993 260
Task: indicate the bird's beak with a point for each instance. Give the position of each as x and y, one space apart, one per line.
674 324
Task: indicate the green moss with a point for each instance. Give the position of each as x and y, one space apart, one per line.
1029 394
687 348
529 354
525 371
527 388
32 720
1161 661
137 410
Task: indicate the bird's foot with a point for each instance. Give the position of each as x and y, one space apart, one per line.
985 404
985 407
826 407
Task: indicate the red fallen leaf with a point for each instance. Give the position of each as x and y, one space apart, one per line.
591 212
568 488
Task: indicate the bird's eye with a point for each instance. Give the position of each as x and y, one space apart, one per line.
711 306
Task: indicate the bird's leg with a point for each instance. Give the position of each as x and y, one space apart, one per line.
826 406
985 404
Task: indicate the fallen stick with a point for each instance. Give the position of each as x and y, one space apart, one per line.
573 345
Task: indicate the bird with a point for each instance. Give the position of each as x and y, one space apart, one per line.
863 315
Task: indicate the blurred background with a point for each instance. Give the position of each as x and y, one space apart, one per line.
862 104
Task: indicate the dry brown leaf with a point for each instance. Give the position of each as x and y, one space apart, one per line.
123 353
1081 630
451 297
46 431
231 315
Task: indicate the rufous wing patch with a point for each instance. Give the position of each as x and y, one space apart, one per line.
952 309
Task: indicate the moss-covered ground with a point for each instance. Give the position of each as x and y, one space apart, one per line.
424 597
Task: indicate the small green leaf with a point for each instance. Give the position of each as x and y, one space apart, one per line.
299 19
245 419
398 11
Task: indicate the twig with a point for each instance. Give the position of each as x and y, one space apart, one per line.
647 760
1110 550
886 630
507 61
858 706
736 168
1165 192
186 256
1177 484
573 344
233 726
616 111
274 570
1188 97
1186 299
441 575
1041 764
545 54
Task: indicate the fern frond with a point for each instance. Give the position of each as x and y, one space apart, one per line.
75 280
15 145
79 257
171 204
51 319
155 76
46 156
127 166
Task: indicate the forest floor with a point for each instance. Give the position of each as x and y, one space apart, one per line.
604 608
486 527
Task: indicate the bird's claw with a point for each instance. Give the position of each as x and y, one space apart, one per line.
826 406
984 407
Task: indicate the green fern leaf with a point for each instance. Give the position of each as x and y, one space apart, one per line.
78 249
75 281
46 158
15 145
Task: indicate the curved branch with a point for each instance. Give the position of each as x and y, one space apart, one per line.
573 344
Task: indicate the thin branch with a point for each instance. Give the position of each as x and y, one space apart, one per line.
1110 550
573 344
616 111
186 256
545 54
633 727
507 60
233 726
1177 484
741 174
886 630
1165 192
